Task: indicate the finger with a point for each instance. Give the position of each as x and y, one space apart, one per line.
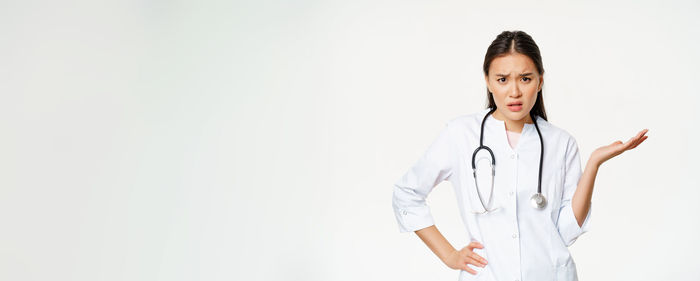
469 269
477 258
636 142
642 140
623 147
475 244
476 262
641 134
632 143
639 138
629 143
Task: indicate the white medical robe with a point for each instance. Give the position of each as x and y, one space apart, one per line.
521 243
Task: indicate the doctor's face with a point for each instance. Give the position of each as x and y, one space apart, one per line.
514 81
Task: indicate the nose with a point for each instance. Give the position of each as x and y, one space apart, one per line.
515 91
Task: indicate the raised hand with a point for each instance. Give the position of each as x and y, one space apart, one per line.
604 153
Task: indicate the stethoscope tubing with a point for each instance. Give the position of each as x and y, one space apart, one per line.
538 200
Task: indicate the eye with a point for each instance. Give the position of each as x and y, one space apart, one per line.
499 79
528 79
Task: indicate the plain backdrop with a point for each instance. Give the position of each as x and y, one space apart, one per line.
259 140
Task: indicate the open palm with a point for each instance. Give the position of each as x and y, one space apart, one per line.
604 153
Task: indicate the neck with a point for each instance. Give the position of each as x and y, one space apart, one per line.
513 125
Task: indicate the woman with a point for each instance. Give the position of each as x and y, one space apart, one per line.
537 203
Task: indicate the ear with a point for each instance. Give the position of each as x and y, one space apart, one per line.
541 82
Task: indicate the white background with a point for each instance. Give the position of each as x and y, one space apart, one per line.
259 140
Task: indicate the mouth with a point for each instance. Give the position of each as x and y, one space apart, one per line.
515 103
515 106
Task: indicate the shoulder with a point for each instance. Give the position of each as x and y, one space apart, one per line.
466 121
556 134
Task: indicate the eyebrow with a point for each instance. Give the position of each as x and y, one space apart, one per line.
506 75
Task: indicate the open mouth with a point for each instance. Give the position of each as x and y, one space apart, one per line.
515 106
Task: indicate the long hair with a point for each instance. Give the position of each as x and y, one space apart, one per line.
520 42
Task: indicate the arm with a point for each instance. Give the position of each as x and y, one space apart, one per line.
413 213
437 243
411 190
584 191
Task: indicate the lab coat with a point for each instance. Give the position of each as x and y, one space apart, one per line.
521 243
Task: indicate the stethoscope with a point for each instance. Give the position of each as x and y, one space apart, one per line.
538 200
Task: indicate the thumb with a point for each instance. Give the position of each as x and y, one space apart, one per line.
616 143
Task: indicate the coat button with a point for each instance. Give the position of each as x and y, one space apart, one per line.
515 235
404 212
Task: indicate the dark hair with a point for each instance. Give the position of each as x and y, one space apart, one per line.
515 42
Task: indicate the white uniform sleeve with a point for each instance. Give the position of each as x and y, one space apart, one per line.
409 192
566 224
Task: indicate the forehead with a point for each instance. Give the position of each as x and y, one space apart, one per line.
513 63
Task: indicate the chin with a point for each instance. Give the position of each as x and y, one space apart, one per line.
517 116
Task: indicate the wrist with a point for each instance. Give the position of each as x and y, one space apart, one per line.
446 258
593 164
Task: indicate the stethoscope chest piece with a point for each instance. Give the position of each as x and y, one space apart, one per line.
538 201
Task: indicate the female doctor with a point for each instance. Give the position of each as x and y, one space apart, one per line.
519 186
